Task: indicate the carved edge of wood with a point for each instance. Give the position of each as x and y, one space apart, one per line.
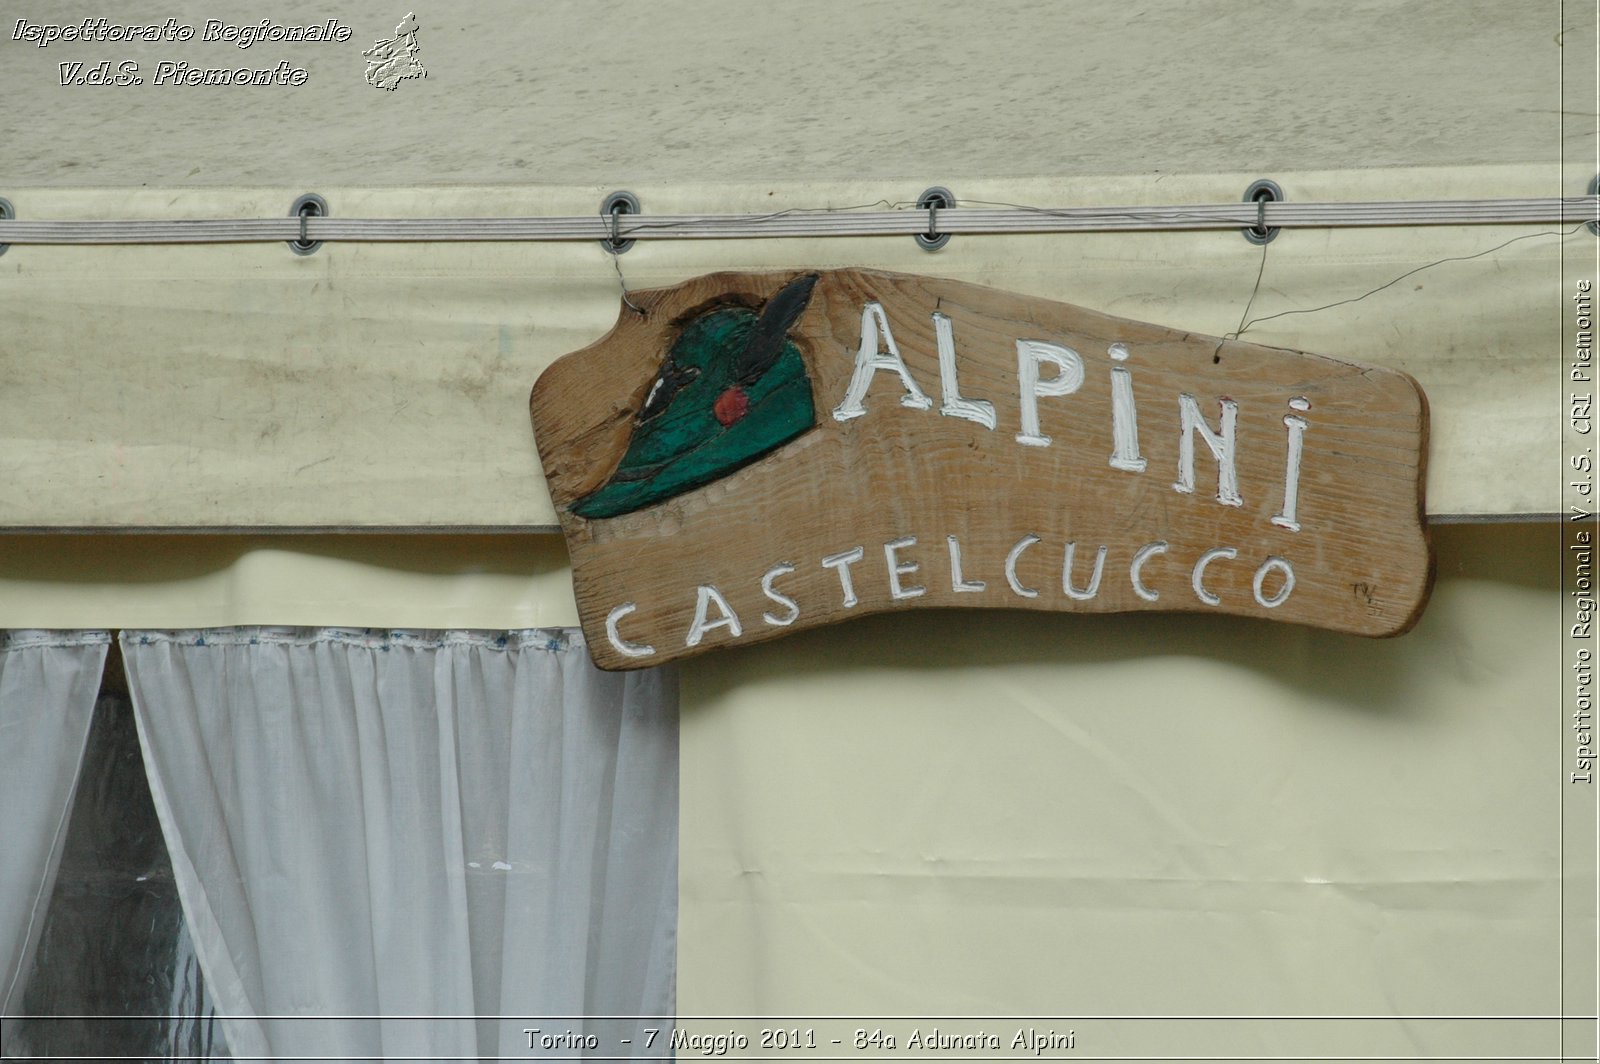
769 496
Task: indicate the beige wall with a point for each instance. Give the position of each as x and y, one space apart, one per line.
949 814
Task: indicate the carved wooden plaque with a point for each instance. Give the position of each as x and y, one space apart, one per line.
761 453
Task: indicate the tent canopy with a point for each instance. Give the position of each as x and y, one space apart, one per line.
385 386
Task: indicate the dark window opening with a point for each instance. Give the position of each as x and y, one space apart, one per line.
115 974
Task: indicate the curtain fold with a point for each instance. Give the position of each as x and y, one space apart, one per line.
417 843
48 683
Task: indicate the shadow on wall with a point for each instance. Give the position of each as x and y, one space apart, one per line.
1365 675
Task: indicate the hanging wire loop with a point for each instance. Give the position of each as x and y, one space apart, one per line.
1261 193
612 208
303 210
934 200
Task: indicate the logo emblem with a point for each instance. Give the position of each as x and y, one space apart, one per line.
732 388
389 62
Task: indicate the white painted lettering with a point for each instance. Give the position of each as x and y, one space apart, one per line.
869 359
897 569
1011 566
1124 417
1221 445
842 562
1197 578
705 595
779 597
956 582
1283 566
621 645
1142 555
1094 580
949 389
1285 518
1067 380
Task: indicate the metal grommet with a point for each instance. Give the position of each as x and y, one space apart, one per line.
1594 189
1262 193
7 212
614 207
310 205
933 201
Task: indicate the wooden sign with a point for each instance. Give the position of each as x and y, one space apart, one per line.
760 453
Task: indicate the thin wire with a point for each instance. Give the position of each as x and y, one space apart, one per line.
865 219
614 249
1260 271
1397 280
619 230
616 264
1068 212
789 212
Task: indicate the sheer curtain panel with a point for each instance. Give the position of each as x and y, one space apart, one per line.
417 844
48 683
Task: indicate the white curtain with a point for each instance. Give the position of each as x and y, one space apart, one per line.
48 683
417 844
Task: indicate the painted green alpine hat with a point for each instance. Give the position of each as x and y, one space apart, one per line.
733 387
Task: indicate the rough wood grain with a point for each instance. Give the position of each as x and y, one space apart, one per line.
766 549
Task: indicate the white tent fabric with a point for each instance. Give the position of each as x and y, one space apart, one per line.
48 682
214 387
242 373
376 832
706 92
1064 818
